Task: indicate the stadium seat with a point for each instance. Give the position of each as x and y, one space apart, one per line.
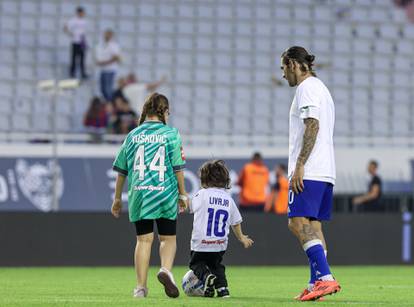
384 47
401 97
361 127
9 7
380 127
108 10
379 14
381 111
201 125
366 31
342 30
219 57
205 10
280 126
203 27
6 91
127 10
389 31
4 121
184 75
380 80
221 124
8 23
342 128
63 123
241 125
42 122
401 127
42 105
283 13
201 107
20 122
5 105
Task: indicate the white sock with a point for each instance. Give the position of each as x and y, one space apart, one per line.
328 277
310 286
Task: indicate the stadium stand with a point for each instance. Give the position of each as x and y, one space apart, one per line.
219 58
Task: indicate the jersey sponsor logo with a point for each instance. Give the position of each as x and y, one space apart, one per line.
211 242
149 138
148 188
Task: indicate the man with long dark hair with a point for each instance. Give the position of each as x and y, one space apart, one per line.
311 166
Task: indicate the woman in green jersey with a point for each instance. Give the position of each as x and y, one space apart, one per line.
152 159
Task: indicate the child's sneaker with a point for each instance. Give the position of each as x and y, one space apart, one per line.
223 292
140 292
209 285
166 278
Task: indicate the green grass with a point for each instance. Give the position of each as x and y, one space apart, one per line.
249 286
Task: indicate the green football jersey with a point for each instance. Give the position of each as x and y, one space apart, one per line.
150 156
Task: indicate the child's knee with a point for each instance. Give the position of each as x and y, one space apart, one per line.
147 238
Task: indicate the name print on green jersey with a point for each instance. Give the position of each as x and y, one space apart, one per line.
151 138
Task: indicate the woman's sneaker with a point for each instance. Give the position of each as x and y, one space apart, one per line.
140 292
209 285
166 278
223 292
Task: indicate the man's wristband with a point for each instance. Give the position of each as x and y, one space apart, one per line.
183 197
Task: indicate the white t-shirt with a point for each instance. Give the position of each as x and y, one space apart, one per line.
214 212
313 100
136 94
77 28
104 52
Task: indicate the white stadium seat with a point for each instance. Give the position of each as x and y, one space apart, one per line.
219 58
4 122
20 122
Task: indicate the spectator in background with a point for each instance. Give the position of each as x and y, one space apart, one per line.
118 92
136 92
277 201
370 201
96 119
125 119
253 181
108 57
76 29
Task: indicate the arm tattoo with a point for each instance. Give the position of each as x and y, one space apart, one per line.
309 139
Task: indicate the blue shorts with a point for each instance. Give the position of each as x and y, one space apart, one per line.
315 202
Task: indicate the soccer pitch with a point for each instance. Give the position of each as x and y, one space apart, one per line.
249 286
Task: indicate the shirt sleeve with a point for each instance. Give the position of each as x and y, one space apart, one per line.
309 101
196 202
116 50
376 180
120 163
177 153
235 216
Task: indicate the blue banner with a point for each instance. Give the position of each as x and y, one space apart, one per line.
83 184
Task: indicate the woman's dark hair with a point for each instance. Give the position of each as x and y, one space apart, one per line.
374 162
155 105
300 55
94 108
214 174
